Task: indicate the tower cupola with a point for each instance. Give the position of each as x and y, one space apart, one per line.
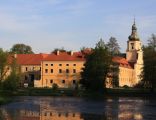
134 35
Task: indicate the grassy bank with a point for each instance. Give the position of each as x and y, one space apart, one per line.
70 92
45 92
128 92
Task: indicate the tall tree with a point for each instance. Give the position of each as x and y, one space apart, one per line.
152 42
21 49
149 69
113 46
114 74
96 67
3 64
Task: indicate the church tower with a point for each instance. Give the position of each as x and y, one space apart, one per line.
134 53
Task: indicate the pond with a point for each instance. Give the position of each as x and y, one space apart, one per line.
72 108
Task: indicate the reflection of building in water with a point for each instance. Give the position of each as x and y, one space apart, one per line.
48 115
46 112
112 109
127 110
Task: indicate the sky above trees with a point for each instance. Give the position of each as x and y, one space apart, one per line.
72 24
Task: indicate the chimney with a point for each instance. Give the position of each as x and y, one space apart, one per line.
71 53
57 52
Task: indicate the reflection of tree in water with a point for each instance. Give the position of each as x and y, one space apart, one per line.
1 115
4 115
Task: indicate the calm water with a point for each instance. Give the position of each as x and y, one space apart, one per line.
67 108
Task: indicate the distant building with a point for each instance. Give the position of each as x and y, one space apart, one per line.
64 68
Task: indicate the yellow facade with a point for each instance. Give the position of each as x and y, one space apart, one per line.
65 74
126 77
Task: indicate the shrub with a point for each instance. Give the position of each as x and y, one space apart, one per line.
55 87
125 86
11 83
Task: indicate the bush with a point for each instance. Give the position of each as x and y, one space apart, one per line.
55 87
125 86
11 83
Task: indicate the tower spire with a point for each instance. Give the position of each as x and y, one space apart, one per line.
134 19
134 35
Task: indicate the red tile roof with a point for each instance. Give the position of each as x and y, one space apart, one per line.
123 62
64 56
30 59
35 59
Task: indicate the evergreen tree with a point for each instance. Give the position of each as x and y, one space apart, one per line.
149 69
114 73
96 67
113 46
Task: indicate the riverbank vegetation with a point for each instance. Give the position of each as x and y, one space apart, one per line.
128 92
149 69
8 82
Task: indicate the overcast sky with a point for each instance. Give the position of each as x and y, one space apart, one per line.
72 24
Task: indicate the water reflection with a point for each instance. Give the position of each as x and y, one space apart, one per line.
47 108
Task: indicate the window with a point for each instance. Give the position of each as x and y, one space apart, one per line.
60 70
67 70
132 45
74 81
26 69
60 64
74 64
74 70
46 70
51 70
51 114
51 64
63 81
51 81
46 64
67 64
137 56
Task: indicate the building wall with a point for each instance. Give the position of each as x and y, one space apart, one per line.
126 77
64 73
29 73
28 68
